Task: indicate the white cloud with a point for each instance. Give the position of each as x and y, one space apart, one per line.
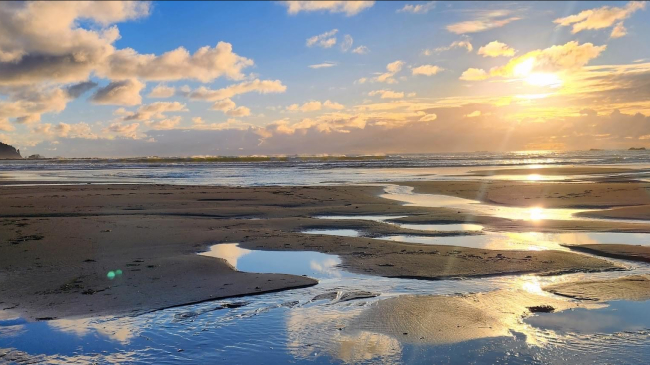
44 42
322 65
162 91
240 111
560 58
312 106
205 65
26 104
361 50
5 125
387 94
474 74
496 49
230 108
79 130
391 69
324 40
603 17
125 92
348 7
618 31
428 118
124 130
465 43
421 8
485 20
259 86
347 43
332 105
164 124
474 114
224 105
426 70
155 110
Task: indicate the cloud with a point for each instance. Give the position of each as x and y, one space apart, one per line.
6 126
77 90
603 17
465 43
361 50
42 41
426 70
125 92
496 49
241 111
347 43
566 57
474 114
312 106
350 8
27 103
205 65
485 20
560 58
124 130
428 118
332 105
259 86
155 110
391 69
618 31
79 130
164 124
418 9
322 65
387 94
230 108
162 91
224 105
324 40
474 74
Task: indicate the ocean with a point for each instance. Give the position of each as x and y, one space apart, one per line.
296 170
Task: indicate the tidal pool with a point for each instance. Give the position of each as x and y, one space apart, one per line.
289 327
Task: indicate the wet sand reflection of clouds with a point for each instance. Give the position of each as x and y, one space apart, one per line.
230 252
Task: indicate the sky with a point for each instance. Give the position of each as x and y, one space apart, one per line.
119 79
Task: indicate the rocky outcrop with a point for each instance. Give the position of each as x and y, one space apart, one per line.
7 151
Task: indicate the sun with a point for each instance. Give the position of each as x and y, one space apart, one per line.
544 79
524 70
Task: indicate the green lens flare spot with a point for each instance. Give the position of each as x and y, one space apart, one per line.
111 275
118 272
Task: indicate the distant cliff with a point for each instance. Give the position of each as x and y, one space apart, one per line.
7 151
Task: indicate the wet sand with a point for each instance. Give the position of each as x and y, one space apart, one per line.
547 195
440 319
555 171
636 287
58 245
617 251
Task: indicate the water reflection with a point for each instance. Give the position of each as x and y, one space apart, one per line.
618 316
313 264
405 194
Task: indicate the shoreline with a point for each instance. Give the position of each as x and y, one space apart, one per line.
74 234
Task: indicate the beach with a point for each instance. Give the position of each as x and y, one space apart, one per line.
88 252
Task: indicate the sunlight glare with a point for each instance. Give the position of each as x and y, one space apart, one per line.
544 79
536 213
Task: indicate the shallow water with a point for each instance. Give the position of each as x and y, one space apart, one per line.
290 327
